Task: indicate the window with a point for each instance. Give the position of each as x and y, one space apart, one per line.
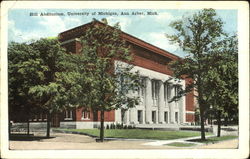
35 117
166 91
176 117
68 115
177 89
40 116
85 115
139 116
155 89
44 117
166 117
154 116
143 88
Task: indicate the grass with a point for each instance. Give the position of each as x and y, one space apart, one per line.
181 144
138 133
214 139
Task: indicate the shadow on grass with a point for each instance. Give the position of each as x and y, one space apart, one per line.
25 137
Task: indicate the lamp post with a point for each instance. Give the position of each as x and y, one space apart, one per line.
211 119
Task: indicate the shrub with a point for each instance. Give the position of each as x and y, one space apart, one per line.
130 127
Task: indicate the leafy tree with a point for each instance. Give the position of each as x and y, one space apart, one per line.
223 80
198 36
106 82
40 77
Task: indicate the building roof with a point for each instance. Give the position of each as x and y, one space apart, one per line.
74 32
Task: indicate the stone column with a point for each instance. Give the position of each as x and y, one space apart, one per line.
118 117
161 103
126 117
172 105
182 108
148 102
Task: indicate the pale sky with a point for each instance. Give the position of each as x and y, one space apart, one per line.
151 28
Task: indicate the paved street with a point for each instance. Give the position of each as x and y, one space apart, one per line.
61 141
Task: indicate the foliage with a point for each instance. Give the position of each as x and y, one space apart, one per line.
210 58
106 80
39 76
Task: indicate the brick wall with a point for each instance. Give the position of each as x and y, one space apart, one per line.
190 117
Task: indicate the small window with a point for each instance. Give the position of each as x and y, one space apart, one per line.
68 115
85 115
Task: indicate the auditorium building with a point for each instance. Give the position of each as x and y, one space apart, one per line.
154 109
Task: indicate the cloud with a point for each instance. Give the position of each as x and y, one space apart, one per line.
164 16
18 35
123 21
158 39
47 26
52 25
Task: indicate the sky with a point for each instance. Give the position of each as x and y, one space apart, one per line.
150 28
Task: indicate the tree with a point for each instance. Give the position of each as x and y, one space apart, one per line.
197 35
105 71
40 77
21 65
223 79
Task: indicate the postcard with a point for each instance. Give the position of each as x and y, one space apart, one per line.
124 79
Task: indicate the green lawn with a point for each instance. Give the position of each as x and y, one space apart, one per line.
180 144
138 133
214 139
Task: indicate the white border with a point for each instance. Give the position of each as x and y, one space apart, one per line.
243 28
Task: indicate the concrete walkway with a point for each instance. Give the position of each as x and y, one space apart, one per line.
61 141
183 140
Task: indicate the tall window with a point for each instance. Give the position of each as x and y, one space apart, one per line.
166 91
176 117
166 117
143 88
155 89
68 115
139 116
154 116
177 89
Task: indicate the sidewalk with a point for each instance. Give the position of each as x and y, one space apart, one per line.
183 140
61 141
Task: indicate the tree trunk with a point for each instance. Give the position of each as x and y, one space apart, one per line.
219 124
102 127
203 137
28 126
48 124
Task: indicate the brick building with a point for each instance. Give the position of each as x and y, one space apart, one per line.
154 108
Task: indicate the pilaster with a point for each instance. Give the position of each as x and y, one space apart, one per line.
148 102
161 103
172 105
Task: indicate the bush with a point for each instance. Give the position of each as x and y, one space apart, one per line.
119 126
125 127
107 127
112 126
130 127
